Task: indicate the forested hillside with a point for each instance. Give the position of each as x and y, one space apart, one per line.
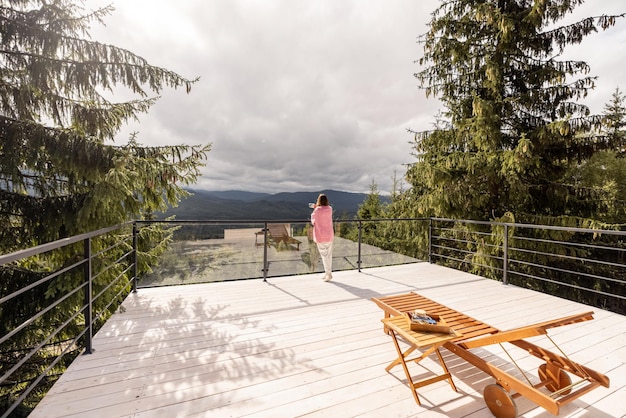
247 205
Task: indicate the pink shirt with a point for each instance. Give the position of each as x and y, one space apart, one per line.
322 221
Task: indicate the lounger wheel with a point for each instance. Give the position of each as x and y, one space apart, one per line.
556 380
499 401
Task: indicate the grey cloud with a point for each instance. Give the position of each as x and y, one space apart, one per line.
293 94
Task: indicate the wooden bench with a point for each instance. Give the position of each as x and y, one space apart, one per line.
555 387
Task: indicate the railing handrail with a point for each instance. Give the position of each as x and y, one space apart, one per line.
356 219
535 226
44 248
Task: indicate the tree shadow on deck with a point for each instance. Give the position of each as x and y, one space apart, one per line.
178 357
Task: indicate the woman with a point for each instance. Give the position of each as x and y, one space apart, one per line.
323 233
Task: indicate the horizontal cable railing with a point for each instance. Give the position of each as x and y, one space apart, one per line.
586 265
53 299
57 295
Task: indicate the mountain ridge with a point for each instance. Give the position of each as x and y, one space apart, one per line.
239 204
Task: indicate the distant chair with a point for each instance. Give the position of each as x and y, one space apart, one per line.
279 233
261 234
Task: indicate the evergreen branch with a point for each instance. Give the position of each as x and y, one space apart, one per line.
99 118
575 33
130 74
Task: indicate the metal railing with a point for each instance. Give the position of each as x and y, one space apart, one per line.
76 283
586 265
62 300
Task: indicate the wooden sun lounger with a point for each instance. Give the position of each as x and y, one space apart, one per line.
555 387
278 233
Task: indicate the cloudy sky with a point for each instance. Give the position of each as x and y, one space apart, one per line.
301 95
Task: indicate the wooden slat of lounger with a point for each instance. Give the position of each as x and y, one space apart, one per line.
461 323
572 319
403 303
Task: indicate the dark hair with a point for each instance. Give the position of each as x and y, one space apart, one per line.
322 200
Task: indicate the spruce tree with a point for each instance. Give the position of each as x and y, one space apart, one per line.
614 126
61 173
513 128
372 206
512 120
604 174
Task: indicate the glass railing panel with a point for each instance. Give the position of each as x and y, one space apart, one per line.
306 259
392 242
204 253
219 251
303 257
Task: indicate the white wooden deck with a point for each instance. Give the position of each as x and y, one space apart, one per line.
297 346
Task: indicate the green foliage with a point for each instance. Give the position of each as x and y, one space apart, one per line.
603 175
372 206
59 177
513 142
408 237
511 127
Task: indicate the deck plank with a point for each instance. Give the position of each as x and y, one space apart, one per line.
298 346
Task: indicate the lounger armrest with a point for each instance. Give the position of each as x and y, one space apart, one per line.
504 336
572 319
517 334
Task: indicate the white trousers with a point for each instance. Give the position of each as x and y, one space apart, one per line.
326 252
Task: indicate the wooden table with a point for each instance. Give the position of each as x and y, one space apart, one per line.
426 342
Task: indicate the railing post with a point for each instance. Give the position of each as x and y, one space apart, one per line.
265 243
135 257
88 308
430 240
505 250
358 259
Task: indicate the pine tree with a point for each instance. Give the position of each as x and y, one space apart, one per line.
408 237
58 176
511 119
372 206
615 122
62 175
604 174
512 129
